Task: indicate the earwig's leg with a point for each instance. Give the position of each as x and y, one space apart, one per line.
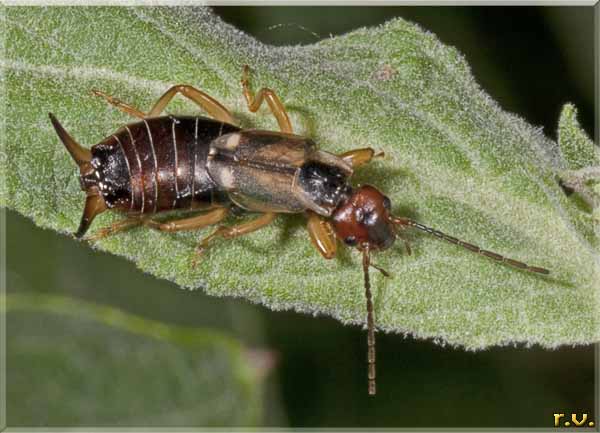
210 105
356 158
119 226
126 108
193 223
321 235
380 269
266 94
237 230
405 240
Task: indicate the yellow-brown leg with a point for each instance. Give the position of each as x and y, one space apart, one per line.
124 107
266 94
208 103
321 235
119 226
192 223
356 158
405 240
237 230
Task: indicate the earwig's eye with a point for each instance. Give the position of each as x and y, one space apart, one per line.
387 203
350 241
359 215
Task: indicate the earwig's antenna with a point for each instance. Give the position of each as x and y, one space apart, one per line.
370 323
468 246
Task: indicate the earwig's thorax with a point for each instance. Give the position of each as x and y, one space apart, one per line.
265 171
325 185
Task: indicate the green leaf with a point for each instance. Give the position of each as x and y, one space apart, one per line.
76 363
582 157
576 147
454 160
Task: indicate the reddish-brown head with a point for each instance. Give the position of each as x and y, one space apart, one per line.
364 220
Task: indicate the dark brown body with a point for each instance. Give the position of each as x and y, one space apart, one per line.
158 165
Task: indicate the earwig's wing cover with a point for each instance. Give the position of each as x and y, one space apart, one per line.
259 169
454 160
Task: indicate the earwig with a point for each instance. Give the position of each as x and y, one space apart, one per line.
209 167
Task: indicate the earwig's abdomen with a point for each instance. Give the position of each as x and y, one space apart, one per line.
159 164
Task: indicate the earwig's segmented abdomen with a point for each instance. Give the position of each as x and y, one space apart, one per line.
159 164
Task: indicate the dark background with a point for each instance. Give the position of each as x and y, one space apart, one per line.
531 60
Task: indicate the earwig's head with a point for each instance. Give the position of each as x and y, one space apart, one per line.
364 220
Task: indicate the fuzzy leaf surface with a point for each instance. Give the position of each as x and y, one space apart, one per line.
454 161
576 147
